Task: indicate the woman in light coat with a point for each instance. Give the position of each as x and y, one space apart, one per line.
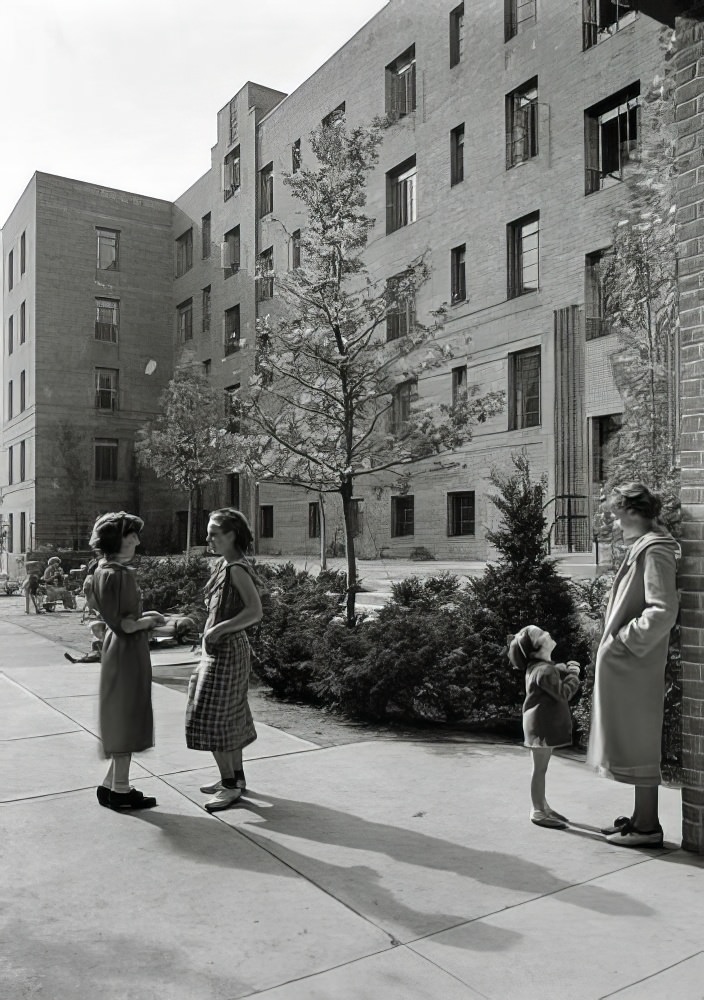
629 686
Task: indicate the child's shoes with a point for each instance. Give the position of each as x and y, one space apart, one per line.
551 820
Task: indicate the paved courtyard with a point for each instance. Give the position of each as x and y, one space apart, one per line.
391 866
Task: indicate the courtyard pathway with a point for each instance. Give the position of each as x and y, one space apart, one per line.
389 868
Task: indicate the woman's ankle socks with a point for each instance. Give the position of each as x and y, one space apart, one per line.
229 782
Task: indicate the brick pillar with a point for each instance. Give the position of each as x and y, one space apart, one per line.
689 194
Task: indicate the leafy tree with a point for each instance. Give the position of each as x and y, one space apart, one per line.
72 465
187 444
338 357
640 288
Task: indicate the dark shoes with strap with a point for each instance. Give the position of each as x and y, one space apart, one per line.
124 801
624 833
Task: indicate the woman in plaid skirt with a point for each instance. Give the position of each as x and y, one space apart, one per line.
218 717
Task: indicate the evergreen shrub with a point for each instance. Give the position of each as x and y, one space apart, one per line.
296 617
173 584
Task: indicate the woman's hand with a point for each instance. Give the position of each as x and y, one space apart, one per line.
157 618
212 635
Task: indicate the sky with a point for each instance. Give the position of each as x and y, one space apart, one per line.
125 93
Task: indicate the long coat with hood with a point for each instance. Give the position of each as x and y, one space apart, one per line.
629 686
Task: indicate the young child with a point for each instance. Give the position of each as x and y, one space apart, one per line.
547 723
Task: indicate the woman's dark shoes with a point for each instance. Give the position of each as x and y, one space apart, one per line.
123 801
103 795
617 825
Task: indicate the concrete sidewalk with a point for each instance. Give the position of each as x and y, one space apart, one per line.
386 870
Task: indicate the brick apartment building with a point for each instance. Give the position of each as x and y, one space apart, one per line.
514 123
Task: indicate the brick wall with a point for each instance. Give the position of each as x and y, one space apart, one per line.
689 69
67 353
487 327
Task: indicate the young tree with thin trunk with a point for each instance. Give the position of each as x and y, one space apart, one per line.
188 444
334 398
640 290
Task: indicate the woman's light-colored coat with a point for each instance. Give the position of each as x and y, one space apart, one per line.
629 686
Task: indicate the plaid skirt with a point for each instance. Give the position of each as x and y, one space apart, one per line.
218 716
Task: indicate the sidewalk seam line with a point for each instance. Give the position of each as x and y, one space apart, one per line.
542 895
256 843
645 979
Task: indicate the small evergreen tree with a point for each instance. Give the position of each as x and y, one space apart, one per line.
522 587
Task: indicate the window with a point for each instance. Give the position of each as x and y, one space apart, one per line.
105 459
184 253
611 131
10 532
401 307
603 18
522 124
230 252
232 490
206 239
231 173
266 520
524 389
205 303
107 319
456 35
23 531
459 384
266 190
266 273
184 315
401 84
523 238
604 430
10 465
596 324
23 391
23 461
10 334
460 513
335 116
402 514
296 156
401 407
233 408
207 366
314 520
518 15
458 281
9 400
108 250
232 130
296 248
401 195
106 389
23 322
10 270
23 253
232 330
457 155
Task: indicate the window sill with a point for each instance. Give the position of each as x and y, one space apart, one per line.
398 229
522 163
